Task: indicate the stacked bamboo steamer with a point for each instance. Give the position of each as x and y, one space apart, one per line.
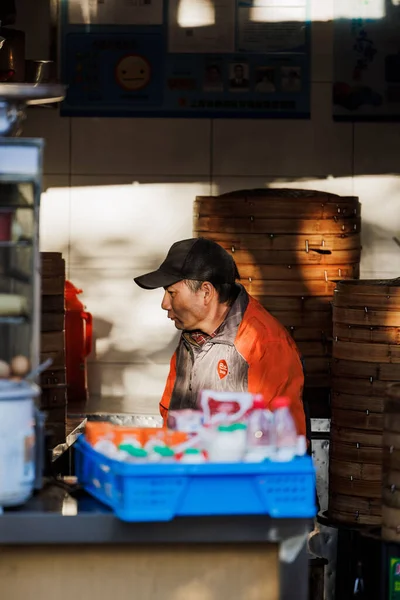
366 358
391 466
290 247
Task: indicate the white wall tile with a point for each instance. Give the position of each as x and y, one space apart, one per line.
376 148
116 222
334 185
130 326
285 148
46 123
140 386
55 214
379 196
141 146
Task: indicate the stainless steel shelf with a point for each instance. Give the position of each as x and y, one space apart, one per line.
13 320
19 244
32 94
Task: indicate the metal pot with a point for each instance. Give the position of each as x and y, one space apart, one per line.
12 56
39 71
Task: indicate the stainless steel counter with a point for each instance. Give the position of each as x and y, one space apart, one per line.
56 517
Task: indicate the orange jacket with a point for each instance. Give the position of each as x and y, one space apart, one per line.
258 352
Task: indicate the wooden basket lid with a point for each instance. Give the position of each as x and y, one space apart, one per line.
369 302
351 402
278 202
244 256
359 387
281 192
295 304
366 317
288 224
353 452
355 487
299 319
355 510
322 244
365 370
373 287
351 504
255 233
355 470
368 421
255 272
290 288
385 353
371 334
356 437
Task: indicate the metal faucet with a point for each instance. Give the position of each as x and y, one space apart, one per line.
2 39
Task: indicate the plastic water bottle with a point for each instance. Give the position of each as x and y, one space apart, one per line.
260 435
285 430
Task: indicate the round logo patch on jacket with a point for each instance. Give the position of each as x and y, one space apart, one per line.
222 369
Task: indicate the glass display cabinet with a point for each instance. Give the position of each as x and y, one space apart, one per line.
20 189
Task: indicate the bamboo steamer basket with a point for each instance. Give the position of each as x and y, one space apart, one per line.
291 247
365 361
391 466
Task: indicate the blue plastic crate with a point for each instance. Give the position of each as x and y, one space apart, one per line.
157 492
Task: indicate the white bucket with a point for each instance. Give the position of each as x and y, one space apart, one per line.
17 441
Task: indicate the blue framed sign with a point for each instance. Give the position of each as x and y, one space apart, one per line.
186 58
366 84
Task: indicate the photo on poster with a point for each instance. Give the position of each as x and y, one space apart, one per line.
265 80
291 79
239 77
213 78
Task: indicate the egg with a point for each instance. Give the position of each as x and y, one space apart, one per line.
4 370
20 366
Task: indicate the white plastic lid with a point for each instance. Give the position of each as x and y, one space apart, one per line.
17 390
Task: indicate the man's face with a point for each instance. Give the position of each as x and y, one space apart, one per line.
238 72
186 308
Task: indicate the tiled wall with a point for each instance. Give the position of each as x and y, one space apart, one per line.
120 191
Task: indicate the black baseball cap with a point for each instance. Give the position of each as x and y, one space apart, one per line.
195 258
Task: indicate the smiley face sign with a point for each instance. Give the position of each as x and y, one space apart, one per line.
133 72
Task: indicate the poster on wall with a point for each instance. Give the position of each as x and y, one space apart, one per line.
186 58
366 81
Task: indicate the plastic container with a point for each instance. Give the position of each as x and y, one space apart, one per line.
260 435
227 443
193 456
285 430
160 492
17 441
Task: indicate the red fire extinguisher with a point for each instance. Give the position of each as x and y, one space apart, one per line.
78 345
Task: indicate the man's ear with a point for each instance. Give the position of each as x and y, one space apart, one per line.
208 291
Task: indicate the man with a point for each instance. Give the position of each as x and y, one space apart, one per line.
229 342
213 79
238 81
